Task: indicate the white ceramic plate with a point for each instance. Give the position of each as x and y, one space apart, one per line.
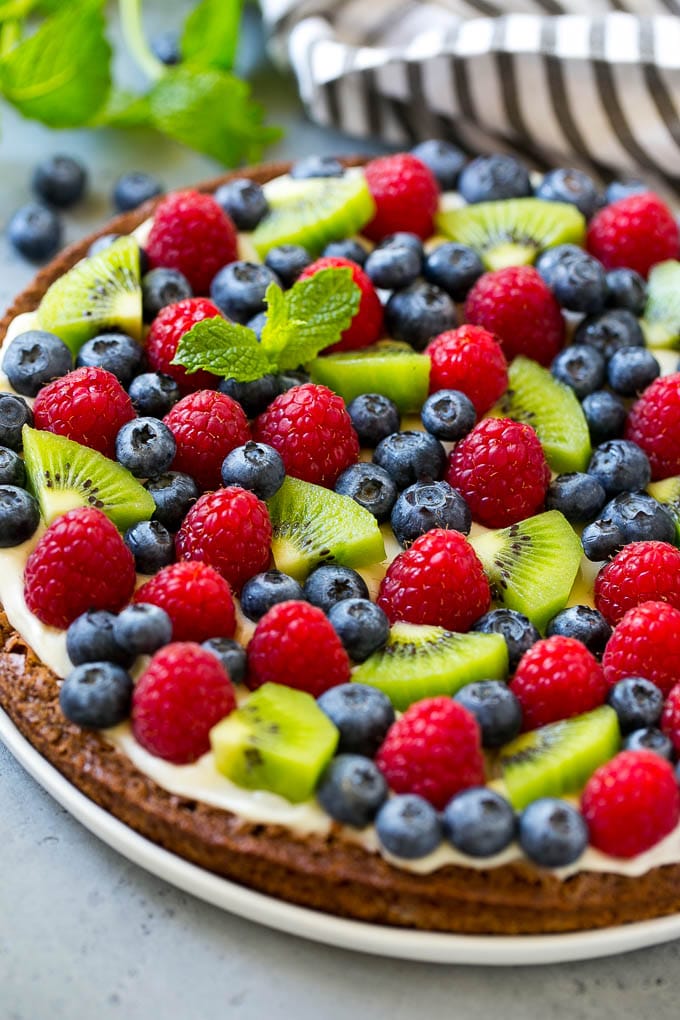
495 950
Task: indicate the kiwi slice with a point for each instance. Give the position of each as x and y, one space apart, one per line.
667 491
278 741
100 292
559 758
314 525
314 211
661 319
532 565
534 396
514 231
64 475
388 367
420 661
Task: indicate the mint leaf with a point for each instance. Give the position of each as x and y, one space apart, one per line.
224 348
123 110
210 34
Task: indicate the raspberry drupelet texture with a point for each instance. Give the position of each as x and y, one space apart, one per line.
310 428
670 718
294 644
555 679
439 581
434 750
166 331
406 196
501 471
192 233
641 572
636 232
80 563
645 643
366 326
88 405
207 425
180 696
469 359
654 424
197 599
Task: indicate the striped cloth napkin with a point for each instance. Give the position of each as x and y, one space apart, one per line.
588 83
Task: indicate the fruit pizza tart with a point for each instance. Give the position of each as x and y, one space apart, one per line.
339 527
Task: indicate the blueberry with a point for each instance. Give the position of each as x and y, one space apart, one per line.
578 496
579 284
239 289
253 396
605 415
142 628
371 487
479 822
448 414
631 370
162 287
580 367
552 833
14 414
35 358
19 516
152 546
427 505
265 590
638 703
352 789
518 632
444 159
403 239
374 417
601 539
411 457
165 46
497 710
362 714
35 231
408 827
585 624
392 265
91 638
347 249
231 654
174 494
626 289
291 378
153 394
133 188
573 186
329 584
609 331
361 625
316 166
256 467
115 352
418 313
146 447
491 178
257 324
96 695
454 267
640 518
620 466
550 260
287 261
617 190
244 201
12 468
60 181
650 739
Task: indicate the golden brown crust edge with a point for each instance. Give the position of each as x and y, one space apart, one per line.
329 874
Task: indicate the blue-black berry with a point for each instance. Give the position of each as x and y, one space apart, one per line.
91 638
552 833
418 313
444 159
239 289
393 264
255 466
346 249
617 190
479 822
174 494
19 516
581 367
631 370
35 231
408 826
454 267
577 495
497 710
96 695
585 624
253 396
427 505
361 625
491 178
362 714
231 654
131 189
316 166
265 590
244 201
153 394
638 703
448 415
371 487
162 287
352 789
579 284
12 468
330 584
605 415
620 466
569 185
60 181
609 331
650 739
516 629
410 457
14 414
142 628
626 289
152 546
115 352
146 447
35 358
287 261
373 417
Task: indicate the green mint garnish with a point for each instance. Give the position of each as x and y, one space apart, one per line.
224 348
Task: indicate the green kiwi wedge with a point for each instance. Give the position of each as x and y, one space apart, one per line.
389 367
279 740
512 232
667 491
64 475
661 318
420 661
100 292
314 211
532 565
559 758
314 525
535 397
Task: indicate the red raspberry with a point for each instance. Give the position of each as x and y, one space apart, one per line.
406 196
636 232
196 598
180 696
641 572
367 325
670 718
645 643
654 424
469 359
557 678
433 750
166 331
192 233
501 470
87 405
630 803
294 644
310 428
439 581
80 563
520 309
207 426
229 529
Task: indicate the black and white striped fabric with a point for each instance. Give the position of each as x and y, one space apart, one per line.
590 83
